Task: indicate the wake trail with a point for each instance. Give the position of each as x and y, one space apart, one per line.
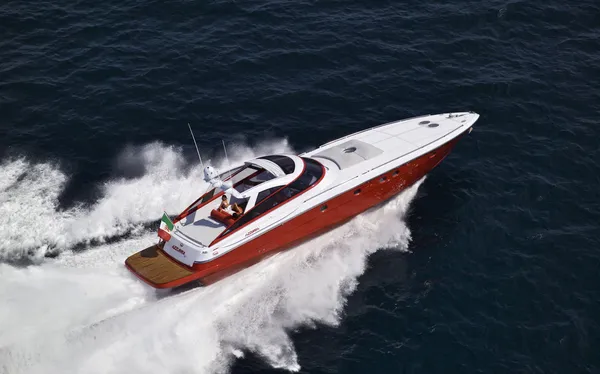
84 312
35 226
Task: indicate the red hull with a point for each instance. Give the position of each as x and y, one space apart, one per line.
316 221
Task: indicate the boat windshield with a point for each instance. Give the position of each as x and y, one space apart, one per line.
242 178
313 171
284 162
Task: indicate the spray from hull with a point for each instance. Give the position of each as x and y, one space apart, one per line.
84 312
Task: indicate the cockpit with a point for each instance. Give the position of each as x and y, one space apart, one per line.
246 186
251 181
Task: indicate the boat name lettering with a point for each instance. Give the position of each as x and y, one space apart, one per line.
252 231
177 249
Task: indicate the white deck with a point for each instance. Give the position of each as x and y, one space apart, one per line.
378 149
396 139
199 227
349 153
398 142
349 161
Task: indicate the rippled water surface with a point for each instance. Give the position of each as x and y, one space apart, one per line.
491 264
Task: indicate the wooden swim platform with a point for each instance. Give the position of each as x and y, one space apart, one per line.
153 266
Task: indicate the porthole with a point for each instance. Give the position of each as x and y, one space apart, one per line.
433 125
357 191
350 150
323 208
396 173
382 179
424 123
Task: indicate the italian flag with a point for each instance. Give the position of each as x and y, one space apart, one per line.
166 225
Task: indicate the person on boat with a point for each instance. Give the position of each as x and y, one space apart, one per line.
233 209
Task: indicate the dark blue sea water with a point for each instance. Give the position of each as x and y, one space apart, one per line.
493 267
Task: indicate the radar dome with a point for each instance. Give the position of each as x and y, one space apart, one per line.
210 173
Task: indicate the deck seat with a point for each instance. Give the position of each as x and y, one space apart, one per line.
223 217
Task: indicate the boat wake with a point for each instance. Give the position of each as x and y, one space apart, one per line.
29 198
84 312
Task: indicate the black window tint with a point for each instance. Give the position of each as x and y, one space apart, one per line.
310 176
263 176
208 195
258 210
264 194
285 163
227 174
312 173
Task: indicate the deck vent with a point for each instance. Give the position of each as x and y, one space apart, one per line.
350 150
424 123
433 125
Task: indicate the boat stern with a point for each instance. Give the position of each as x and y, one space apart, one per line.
153 266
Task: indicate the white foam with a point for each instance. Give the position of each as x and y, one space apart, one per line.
33 225
84 312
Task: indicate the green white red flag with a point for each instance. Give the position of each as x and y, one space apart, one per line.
166 226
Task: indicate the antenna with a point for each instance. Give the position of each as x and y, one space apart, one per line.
226 158
200 157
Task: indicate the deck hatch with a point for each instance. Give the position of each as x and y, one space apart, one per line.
350 153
